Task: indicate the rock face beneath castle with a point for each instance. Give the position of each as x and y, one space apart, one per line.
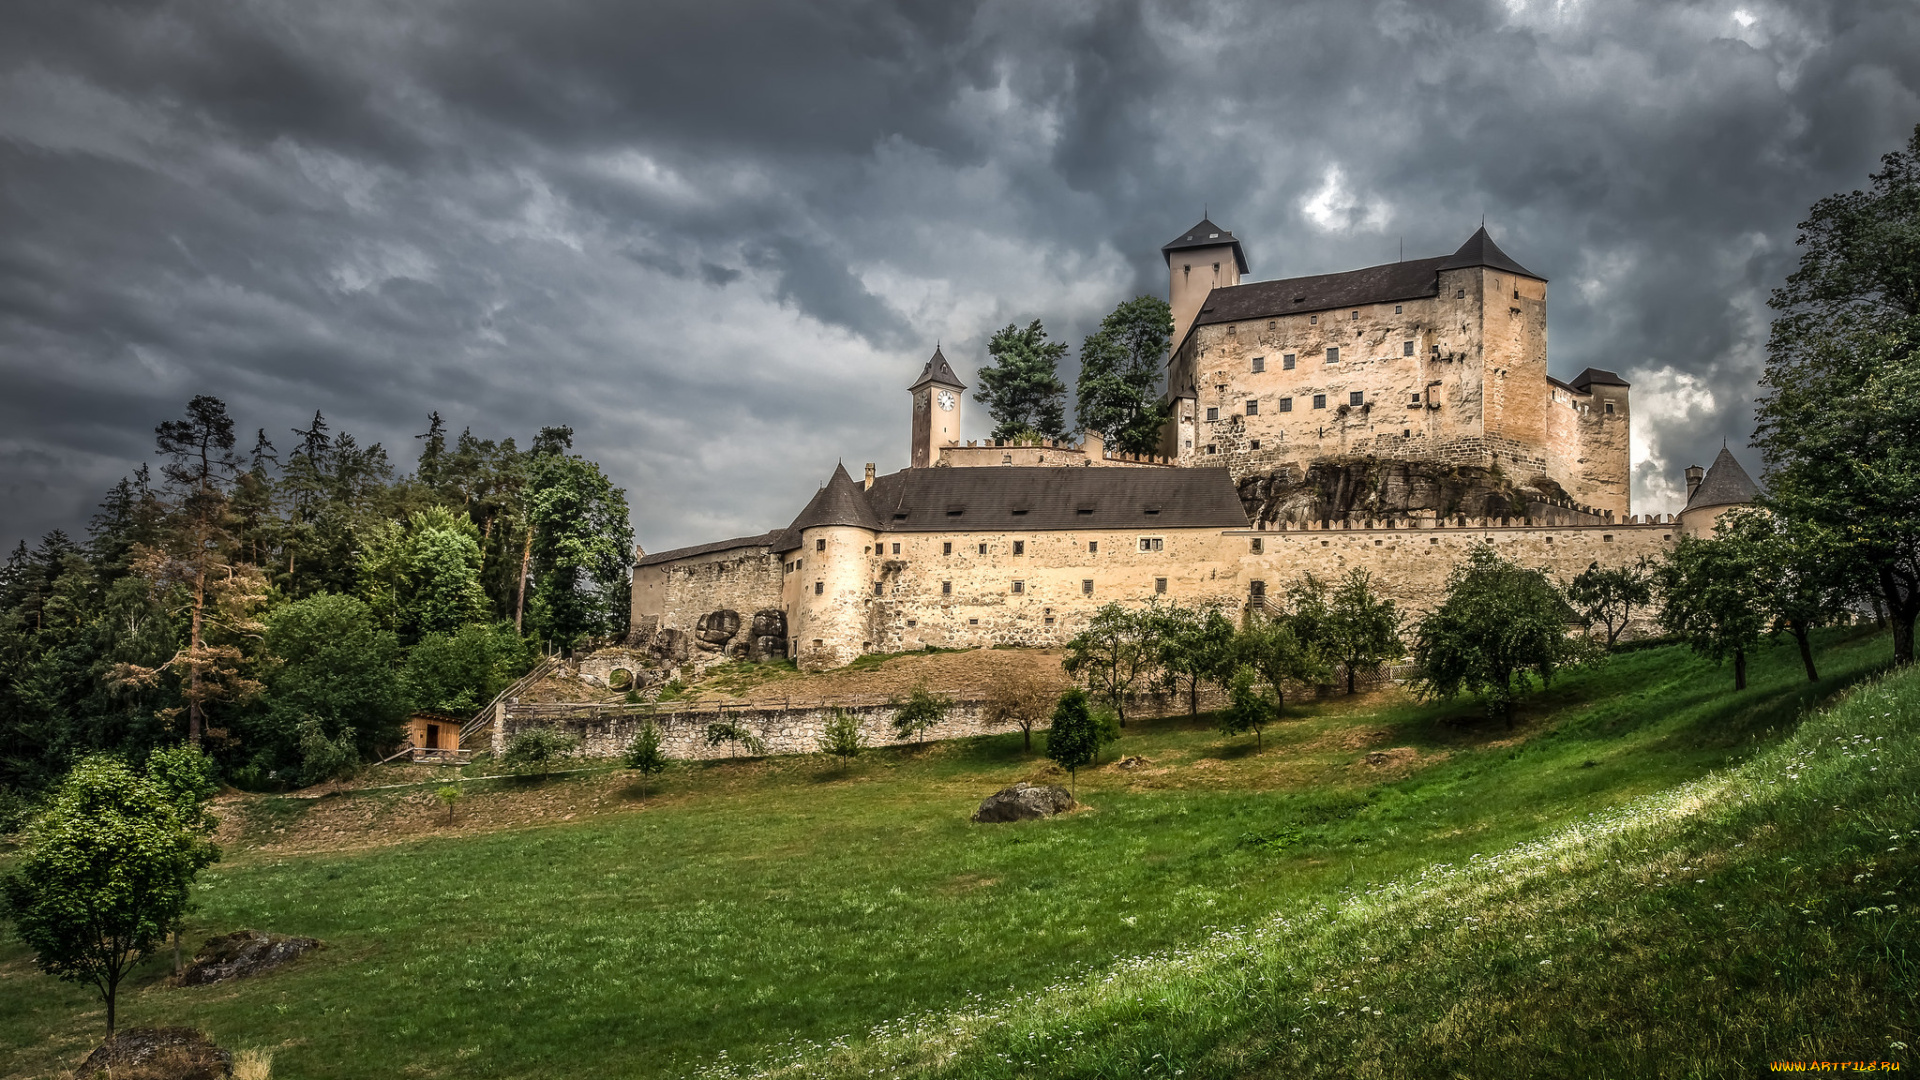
1369 489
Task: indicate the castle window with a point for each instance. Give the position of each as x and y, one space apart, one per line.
1286 361
1253 408
879 588
1160 585
896 549
819 587
819 644
1357 397
1153 543
1319 401
1210 449
1216 268
1255 545
983 549
946 548
1257 590
1355 318
1406 348
1093 547
1259 363
1019 586
1006 459
1286 404
1333 355
1213 413
1609 408
1086 586
1416 397
913 622
1516 294
946 588
1019 547
1313 320
1233 330
1253 444
1048 620
1272 323
973 622
1396 309
820 545
1460 295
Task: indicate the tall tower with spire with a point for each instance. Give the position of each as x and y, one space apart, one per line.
1204 258
937 397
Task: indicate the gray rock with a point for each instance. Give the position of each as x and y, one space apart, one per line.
1024 802
671 645
717 627
769 622
243 953
175 1053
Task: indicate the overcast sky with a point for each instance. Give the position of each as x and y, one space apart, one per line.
720 239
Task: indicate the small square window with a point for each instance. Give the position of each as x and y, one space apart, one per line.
1460 294
1287 361
1253 444
946 548
983 549
1254 545
1357 397
1257 589
879 588
1259 363
973 622
1355 318
1319 401
1086 586
1048 620
1406 348
1019 586
1160 585
819 587
1213 413
1396 309
1253 408
1609 408
896 549
1606 538
1153 543
1416 397
946 588
1093 547
1210 449
820 545
913 622
1313 320
1286 404
1019 547
1333 355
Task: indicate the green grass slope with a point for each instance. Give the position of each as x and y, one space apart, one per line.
786 917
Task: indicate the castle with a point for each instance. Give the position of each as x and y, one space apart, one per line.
1389 418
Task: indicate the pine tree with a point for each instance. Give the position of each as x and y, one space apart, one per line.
1022 389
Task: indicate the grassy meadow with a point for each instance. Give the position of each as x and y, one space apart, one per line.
1647 872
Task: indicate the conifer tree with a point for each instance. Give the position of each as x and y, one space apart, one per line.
1022 389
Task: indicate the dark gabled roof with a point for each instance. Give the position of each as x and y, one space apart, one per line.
1597 377
1726 484
764 540
1035 498
938 371
1408 280
840 502
1205 235
1480 250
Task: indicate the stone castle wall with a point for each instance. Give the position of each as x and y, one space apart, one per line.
674 595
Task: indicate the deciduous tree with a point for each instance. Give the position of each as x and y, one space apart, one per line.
1113 654
1362 628
1608 595
1121 372
1074 738
1712 595
918 715
1500 625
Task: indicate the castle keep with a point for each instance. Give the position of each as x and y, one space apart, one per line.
1388 418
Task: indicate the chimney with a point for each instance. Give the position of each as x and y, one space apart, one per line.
869 476
1694 475
1094 444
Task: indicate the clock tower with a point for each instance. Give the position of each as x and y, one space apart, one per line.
936 411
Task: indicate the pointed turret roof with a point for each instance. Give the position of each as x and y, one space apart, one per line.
840 502
1726 484
938 371
1204 235
1480 250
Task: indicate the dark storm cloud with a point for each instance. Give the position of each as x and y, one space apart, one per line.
720 239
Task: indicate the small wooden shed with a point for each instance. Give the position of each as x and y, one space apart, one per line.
435 737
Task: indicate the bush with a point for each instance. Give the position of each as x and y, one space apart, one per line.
643 753
841 737
735 735
539 748
922 710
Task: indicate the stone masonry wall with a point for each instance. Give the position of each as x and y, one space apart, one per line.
675 595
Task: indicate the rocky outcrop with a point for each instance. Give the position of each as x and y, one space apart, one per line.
767 636
1024 802
243 953
1358 489
717 627
172 1053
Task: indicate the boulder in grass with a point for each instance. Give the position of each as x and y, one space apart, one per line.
1024 802
243 953
157 1054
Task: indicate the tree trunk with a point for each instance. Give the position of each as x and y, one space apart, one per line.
1739 669
176 951
1902 606
1349 667
193 654
1806 649
520 603
113 988
1026 736
1193 696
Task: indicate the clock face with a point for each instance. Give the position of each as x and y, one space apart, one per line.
946 400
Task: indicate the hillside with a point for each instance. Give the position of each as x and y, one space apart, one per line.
787 917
